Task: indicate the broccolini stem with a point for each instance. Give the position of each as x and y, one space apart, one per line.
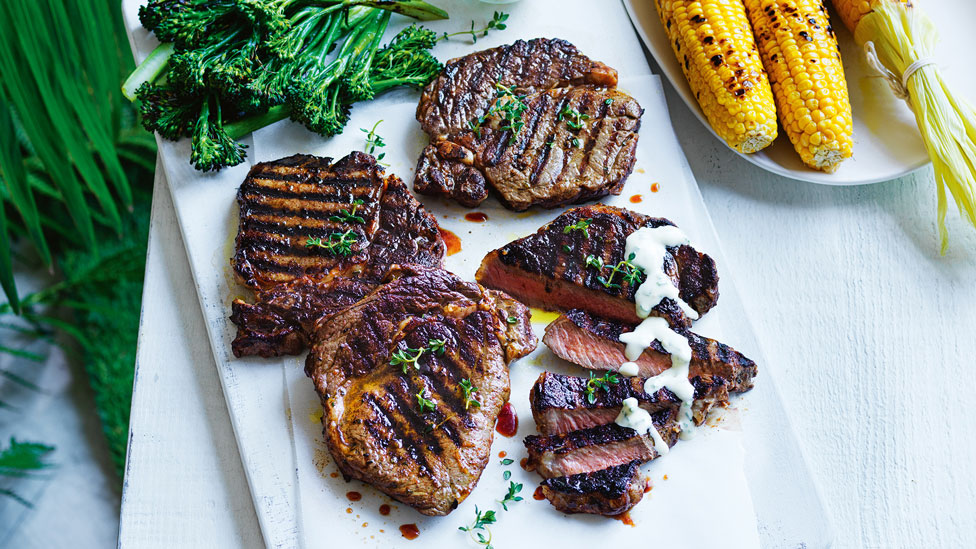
248 124
149 70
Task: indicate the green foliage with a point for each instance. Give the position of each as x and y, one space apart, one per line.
19 460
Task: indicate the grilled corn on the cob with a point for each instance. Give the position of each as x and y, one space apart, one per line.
799 51
714 44
851 11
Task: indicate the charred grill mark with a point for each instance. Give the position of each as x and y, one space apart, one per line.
274 266
402 432
402 391
447 394
273 227
324 214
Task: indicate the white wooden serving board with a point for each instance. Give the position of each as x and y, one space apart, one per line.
887 144
787 508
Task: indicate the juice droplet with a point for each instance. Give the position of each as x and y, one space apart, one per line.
523 463
539 494
334 474
502 454
410 531
384 509
507 424
354 496
665 477
655 187
348 510
476 217
365 524
625 518
636 199
452 241
648 485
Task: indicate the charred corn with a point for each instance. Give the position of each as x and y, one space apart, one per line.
717 52
851 11
799 51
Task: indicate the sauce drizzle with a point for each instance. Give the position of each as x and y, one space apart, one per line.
410 531
502 454
452 241
637 199
476 217
625 518
354 496
655 187
539 494
385 509
507 424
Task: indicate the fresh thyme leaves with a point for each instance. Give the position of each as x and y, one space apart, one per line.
513 489
468 389
549 143
425 405
567 249
608 101
574 119
506 475
349 216
512 320
602 382
374 141
336 243
582 226
509 107
405 358
630 273
507 461
576 142
481 521
497 23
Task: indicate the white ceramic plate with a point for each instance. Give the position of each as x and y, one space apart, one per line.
886 140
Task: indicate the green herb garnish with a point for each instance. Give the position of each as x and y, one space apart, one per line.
512 320
481 522
602 382
497 23
336 243
506 475
507 461
349 216
574 119
630 273
511 497
582 226
468 388
509 107
405 358
425 405
608 101
374 141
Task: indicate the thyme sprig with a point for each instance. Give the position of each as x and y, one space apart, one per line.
425 405
602 382
512 496
481 522
349 216
574 119
630 273
582 226
336 243
497 23
405 358
374 141
509 106
468 389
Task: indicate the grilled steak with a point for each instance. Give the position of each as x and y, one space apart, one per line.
549 269
285 206
561 403
537 122
467 86
407 427
548 163
609 491
598 447
594 343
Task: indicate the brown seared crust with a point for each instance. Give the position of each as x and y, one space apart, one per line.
373 427
518 338
466 87
548 163
609 491
540 272
285 202
708 356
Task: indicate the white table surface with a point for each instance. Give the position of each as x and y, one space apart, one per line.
867 324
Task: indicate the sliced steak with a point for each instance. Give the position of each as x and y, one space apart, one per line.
562 403
466 88
549 270
598 447
377 428
591 342
550 162
286 203
611 491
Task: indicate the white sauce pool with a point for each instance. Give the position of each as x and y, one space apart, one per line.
628 369
649 246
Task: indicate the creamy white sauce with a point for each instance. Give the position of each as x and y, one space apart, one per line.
628 369
649 246
638 419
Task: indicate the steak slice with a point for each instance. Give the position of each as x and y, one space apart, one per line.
549 270
375 423
598 447
561 403
594 343
283 204
548 163
611 491
466 87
